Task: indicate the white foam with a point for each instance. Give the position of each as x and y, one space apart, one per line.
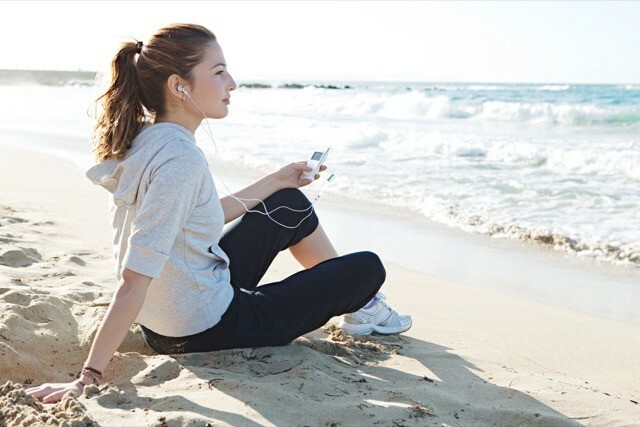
554 87
542 113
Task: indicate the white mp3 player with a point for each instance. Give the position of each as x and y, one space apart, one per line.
315 162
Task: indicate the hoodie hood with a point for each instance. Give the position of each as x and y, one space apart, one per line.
122 178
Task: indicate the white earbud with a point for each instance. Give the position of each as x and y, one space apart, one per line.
181 89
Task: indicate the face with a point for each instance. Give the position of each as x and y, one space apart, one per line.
212 84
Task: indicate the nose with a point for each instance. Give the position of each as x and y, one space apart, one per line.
232 85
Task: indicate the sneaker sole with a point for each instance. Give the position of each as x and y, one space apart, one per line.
369 329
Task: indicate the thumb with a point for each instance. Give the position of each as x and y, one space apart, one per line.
302 166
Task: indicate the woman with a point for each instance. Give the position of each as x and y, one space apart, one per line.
188 287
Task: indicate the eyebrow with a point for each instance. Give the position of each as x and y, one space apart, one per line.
222 63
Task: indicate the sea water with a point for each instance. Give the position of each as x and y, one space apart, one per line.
552 164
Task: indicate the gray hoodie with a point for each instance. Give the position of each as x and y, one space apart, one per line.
167 221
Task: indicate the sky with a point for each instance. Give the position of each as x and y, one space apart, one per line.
555 42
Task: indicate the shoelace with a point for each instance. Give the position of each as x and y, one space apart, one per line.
381 299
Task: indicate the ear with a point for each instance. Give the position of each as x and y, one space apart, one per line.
172 85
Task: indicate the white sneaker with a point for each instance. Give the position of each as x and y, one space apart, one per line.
380 318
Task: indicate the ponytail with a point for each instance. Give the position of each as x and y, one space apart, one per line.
136 94
123 114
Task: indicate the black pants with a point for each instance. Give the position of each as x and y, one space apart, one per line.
276 313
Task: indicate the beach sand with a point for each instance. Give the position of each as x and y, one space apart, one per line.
473 356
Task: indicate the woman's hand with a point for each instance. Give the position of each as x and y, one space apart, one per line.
289 175
51 393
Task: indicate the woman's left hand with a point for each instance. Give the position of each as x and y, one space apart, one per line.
289 175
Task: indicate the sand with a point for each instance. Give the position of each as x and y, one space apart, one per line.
473 356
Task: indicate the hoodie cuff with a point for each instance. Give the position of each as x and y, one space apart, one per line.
144 261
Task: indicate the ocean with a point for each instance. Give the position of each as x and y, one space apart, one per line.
556 165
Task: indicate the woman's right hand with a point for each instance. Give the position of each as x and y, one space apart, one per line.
51 393
124 307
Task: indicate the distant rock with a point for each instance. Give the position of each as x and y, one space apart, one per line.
328 87
292 86
256 85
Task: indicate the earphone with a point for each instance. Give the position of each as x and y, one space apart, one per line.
182 89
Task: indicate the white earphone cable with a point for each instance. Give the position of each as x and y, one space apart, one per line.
239 199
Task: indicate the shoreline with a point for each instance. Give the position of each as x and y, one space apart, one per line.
473 356
509 266
542 244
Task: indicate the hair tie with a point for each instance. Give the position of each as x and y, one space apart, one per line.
139 47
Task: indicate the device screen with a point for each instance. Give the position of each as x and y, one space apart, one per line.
317 155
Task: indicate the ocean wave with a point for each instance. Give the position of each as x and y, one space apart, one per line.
603 251
555 114
447 213
421 105
614 163
496 223
554 87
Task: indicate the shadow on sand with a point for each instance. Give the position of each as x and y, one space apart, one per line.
327 378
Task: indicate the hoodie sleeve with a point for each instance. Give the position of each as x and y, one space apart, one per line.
173 192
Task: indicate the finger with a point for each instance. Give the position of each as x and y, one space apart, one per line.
56 396
32 390
317 176
323 167
40 392
304 166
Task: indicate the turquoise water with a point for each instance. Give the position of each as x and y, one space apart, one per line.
551 164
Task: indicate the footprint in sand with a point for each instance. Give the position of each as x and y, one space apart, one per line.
15 297
12 220
19 257
75 260
166 371
44 223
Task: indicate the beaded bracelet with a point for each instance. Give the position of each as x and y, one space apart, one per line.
94 374
95 371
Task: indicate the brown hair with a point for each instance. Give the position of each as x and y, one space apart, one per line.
136 94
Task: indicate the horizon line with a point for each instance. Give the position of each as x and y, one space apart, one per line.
346 80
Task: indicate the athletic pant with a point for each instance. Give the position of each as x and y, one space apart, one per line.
274 314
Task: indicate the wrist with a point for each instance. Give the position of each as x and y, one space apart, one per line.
275 183
89 375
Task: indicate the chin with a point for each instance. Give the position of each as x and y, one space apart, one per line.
218 115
